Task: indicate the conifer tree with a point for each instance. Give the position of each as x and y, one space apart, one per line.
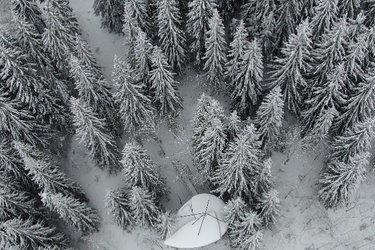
11 164
369 8
171 35
26 234
111 13
330 51
138 9
141 62
325 15
254 12
84 54
95 92
165 224
263 179
226 8
72 211
18 204
242 236
19 123
163 86
324 105
267 36
240 163
340 180
287 18
215 54
142 206
92 131
246 84
140 170
233 211
234 126
349 7
210 149
236 51
29 11
136 110
353 141
357 57
268 206
200 12
64 13
117 202
360 105
292 66
269 118
44 172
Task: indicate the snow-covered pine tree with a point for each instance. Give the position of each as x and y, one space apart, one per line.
233 211
349 8
357 26
64 13
18 204
111 13
140 170
165 224
236 51
92 131
210 148
242 236
117 203
268 207
234 126
226 8
19 124
21 83
11 164
288 15
136 110
330 50
138 9
143 206
360 105
83 52
72 211
200 12
215 54
141 63
340 180
29 11
95 92
324 106
357 58
369 8
267 36
235 174
269 117
28 234
353 141
325 15
45 173
170 33
163 86
293 65
254 12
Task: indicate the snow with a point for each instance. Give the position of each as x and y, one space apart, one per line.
303 224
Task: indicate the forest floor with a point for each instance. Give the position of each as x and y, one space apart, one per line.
303 224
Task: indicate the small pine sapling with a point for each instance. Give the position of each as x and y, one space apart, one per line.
165 223
233 211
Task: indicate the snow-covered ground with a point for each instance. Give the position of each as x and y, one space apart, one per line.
303 224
